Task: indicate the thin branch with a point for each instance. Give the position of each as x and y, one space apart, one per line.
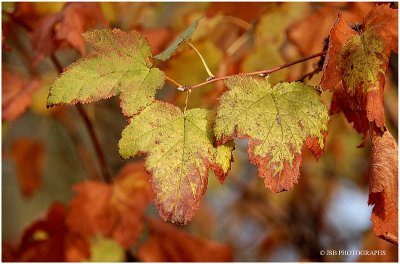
260 73
99 153
90 128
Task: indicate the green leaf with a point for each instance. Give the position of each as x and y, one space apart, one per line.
106 250
180 152
121 66
278 122
184 36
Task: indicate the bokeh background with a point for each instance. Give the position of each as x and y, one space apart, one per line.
327 209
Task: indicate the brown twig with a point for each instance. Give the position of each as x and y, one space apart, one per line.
89 126
261 73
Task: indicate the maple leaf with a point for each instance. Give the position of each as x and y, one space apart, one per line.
180 151
112 210
277 121
16 94
182 38
28 155
383 186
168 244
121 66
356 66
67 25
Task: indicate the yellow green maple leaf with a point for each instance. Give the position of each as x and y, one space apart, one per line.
121 66
278 121
180 152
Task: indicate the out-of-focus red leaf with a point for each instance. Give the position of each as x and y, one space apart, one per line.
43 37
44 239
7 252
16 94
28 155
76 19
26 12
48 239
77 248
114 210
383 186
356 65
158 38
68 26
169 244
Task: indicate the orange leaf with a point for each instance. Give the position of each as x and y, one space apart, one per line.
356 65
16 94
28 158
383 184
68 26
114 210
169 244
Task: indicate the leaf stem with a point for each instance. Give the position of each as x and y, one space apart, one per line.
261 73
202 59
90 128
173 81
186 100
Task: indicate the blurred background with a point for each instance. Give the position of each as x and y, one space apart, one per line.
46 151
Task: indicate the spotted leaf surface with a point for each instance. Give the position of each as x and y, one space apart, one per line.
356 66
180 151
121 65
278 121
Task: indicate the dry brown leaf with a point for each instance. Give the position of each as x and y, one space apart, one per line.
28 156
383 186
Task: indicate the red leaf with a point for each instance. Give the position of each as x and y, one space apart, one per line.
68 26
28 158
76 19
16 94
355 70
47 240
114 210
383 186
44 239
169 244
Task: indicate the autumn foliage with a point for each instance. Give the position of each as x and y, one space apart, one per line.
204 115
